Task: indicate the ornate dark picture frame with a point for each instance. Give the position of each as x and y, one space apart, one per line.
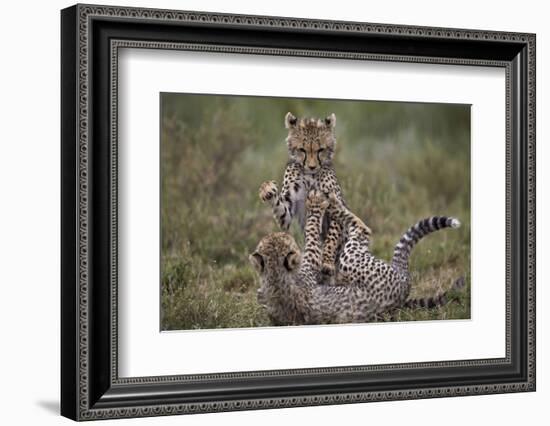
90 38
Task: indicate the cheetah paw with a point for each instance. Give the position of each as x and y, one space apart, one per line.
327 269
335 202
364 229
268 191
316 200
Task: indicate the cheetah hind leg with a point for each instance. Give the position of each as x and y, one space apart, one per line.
355 226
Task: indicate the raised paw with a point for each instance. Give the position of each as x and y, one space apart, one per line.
335 203
359 226
327 269
364 229
268 191
316 200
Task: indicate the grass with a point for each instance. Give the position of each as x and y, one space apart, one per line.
396 163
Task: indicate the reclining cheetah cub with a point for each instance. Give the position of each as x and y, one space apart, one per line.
310 143
290 288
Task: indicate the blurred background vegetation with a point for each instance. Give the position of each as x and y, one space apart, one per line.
396 163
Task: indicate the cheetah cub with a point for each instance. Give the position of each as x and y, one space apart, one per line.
290 289
311 143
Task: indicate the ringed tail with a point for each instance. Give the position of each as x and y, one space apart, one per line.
402 251
437 300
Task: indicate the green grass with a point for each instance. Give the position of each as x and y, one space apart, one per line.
396 163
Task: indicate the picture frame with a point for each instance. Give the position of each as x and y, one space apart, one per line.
90 385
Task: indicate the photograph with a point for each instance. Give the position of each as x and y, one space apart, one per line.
266 209
305 212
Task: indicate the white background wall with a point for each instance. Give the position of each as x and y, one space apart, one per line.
29 211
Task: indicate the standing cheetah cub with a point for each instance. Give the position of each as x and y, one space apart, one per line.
290 288
311 143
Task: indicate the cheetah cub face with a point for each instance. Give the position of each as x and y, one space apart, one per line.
276 260
276 253
311 141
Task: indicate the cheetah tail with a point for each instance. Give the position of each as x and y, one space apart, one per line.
438 300
402 251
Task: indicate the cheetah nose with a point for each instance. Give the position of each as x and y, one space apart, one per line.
312 167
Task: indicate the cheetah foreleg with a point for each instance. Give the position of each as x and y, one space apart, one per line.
331 243
316 204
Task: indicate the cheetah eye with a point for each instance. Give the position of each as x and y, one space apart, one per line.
302 150
320 150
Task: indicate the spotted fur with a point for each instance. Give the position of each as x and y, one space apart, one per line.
311 143
290 288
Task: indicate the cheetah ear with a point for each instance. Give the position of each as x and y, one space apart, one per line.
292 261
290 120
257 261
330 121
